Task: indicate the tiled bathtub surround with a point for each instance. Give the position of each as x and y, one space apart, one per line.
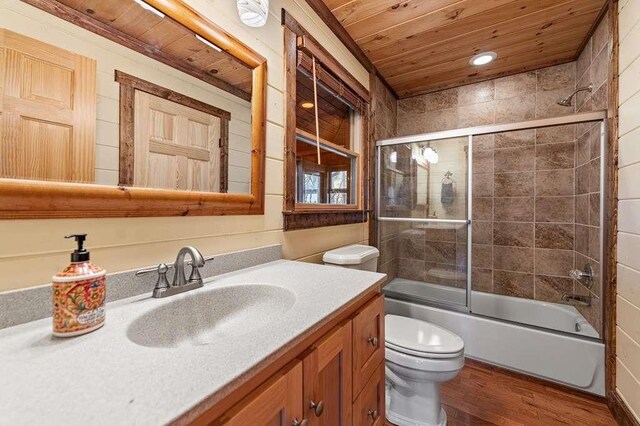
536 192
592 67
30 304
383 119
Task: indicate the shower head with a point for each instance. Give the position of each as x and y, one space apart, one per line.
567 101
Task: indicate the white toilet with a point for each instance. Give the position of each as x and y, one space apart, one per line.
419 355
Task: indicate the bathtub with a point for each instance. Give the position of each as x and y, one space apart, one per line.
572 358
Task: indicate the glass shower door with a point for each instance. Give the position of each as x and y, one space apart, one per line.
423 213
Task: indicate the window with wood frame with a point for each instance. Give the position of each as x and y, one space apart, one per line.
326 136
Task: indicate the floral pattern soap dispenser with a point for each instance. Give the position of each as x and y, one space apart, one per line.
78 294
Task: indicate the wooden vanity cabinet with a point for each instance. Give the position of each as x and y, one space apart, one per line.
327 380
369 407
368 343
337 381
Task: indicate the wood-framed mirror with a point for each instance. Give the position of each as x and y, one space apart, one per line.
127 108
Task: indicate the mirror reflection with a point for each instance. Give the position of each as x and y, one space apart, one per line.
123 96
326 148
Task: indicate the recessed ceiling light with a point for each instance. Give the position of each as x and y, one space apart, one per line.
148 7
483 58
307 105
208 43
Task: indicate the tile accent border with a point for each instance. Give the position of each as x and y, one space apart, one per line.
34 303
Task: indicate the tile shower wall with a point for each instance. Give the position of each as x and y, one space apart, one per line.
383 118
536 193
592 67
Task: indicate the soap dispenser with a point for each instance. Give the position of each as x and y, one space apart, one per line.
78 294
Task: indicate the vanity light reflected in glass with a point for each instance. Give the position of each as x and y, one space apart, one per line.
393 157
253 13
431 155
483 58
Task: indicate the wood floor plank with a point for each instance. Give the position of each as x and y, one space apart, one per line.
483 395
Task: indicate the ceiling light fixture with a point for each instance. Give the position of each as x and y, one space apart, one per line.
208 43
253 13
483 58
148 7
307 105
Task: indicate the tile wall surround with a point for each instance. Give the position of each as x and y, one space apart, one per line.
536 192
34 303
384 116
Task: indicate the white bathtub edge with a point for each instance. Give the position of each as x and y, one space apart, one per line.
571 361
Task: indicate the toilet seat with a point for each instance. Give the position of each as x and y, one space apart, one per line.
421 339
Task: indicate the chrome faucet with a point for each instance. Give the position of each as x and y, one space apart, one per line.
585 276
180 283
577 299
179 278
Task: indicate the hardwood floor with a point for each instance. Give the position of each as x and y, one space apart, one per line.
482 395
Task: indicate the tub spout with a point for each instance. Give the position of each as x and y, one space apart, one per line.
577 299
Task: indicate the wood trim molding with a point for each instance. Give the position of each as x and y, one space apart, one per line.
621 411
321 9
168 94
616 405
71 15
313 49
128 86
334 65
316 219
26 199
298 216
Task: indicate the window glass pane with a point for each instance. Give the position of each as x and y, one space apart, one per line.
311 187
329 181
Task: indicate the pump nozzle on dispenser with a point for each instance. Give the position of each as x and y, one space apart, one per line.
80 254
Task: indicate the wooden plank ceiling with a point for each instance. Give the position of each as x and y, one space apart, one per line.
167 36
421 46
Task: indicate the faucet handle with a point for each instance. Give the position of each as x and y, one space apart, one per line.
206 259
161 269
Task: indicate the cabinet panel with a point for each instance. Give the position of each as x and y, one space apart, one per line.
369 407
327 379
368 342
278 402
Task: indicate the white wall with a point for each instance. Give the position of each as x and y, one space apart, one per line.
628 297
32 250
110 56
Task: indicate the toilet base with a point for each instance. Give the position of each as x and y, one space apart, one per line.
399 420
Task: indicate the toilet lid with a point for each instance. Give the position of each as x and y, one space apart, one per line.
413 336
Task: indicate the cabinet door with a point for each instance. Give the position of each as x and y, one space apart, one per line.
369 407
327 380
278 402
368 342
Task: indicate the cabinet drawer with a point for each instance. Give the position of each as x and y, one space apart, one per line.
368 342
368 409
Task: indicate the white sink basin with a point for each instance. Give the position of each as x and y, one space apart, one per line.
209 317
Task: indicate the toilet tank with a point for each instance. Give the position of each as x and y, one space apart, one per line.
356 256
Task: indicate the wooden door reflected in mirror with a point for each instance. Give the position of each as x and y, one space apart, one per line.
129 95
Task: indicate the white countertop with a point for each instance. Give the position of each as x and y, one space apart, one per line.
103 378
